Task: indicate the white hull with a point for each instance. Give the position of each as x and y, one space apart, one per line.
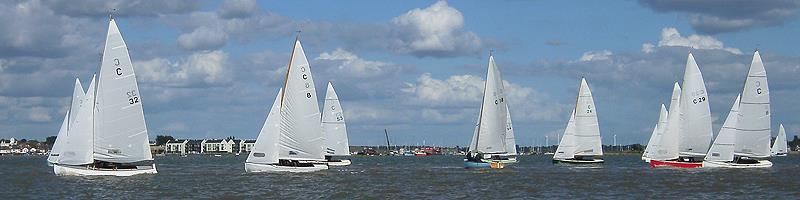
257 167
68 170
717 164
574 161
338 163
779 155
646 159
511 160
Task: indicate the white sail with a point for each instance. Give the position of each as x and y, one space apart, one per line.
658 129
566 147
120 129
301 129
780 146
77 99
667 145
77 148
333 125
60 138
473 144
722 149
511 143
695 131
63 133
265 150
587 130
754 113
492 120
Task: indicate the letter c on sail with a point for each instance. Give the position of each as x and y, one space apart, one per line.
119 71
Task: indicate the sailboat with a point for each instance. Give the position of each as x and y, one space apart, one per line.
488 146
334 129
688 135
77 100
109 133
511 143
658 129
780 148
751 134
582 140
291 139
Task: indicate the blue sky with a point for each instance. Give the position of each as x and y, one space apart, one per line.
210 69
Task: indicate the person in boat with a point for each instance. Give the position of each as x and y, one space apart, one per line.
98 164
475 157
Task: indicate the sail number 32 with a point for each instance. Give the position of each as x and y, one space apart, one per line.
132 97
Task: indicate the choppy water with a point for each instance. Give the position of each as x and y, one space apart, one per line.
432 177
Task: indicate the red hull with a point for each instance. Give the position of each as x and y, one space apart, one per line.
676 164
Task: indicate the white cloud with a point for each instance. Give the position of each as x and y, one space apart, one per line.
238 8
648 48
671 37
39 114
595 56
465 91
202 68
203 38
352 65
436 29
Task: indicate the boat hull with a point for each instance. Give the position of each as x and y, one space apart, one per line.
577 161
483 165
646 159
258 167
510 160
674 164
779 155
717 164
84 170
338 163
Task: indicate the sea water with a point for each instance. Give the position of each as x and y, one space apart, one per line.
430 177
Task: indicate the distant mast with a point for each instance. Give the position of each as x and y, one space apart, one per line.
388 145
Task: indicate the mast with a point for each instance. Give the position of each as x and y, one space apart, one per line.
385 132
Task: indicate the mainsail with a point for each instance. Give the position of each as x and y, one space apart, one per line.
265 150
667 146
120 132
587 131
695 115
566 148
492 121
333 125
300 127
722 149
780 146
754 113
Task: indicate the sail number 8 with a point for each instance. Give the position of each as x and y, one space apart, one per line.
132 97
